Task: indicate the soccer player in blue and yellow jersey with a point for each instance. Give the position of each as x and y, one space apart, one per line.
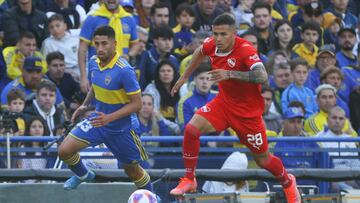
117 97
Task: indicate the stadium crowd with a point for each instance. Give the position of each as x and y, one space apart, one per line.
309 47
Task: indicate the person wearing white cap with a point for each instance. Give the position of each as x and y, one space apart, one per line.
236 161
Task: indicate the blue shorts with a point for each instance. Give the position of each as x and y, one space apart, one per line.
124 144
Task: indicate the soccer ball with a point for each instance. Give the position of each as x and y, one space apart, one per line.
142 196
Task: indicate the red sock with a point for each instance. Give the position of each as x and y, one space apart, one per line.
191 148
275 166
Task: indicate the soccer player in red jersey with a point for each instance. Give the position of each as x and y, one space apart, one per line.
239 105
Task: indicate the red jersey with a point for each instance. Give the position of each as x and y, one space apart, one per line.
243 97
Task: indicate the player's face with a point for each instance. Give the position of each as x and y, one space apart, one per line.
224 36
56 69
27 46
267 95
32 78
334 79
326 100
282 78
147 106
57 29
16 105
336 120
300 74
284 33
203 83
293 126
166 74
36 128
111 5
46 99
105 47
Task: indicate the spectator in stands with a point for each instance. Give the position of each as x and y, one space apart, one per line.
282 79
73 14
296 9
64 81
185 16
64 41
163 44
21 18
325 58
244 15
262 26
283 37
16 104
31 76
275 59
296 91
206 11
331 25
340 9
275 15
333 76
165 77
347 41
236 161
44 106
326 99
159 16
109 13
35 126
197 97
143 9
252 37
272 120
307 49
15 55
152 123
336 121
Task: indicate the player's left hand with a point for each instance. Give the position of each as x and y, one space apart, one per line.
218 75
100 120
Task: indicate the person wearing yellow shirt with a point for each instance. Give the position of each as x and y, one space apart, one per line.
14 55
326 99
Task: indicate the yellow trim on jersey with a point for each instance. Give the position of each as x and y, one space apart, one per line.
77 138
85 40
138 144
110 96
135 92
111 64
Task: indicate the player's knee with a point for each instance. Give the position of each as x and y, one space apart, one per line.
262 161
192 132
64 153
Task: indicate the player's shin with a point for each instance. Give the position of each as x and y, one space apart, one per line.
76 165
191 147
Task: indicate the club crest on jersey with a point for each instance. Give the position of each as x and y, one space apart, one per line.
205 109
254 57
107 80
231 62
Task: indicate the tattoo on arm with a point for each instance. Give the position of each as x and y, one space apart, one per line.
256 75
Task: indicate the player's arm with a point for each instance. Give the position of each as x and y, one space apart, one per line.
198 57
257 74
90 96
83 48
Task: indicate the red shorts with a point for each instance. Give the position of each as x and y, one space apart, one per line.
251 131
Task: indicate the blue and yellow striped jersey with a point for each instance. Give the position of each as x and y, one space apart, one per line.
112 85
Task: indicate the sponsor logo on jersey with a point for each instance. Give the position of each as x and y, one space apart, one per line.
107 80
254 57
231 62
205 109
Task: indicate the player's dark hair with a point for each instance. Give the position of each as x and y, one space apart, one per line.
203 67
224 19
166 98
15 94
105 30
296 62
55 17
184 7
157 6
163 31
54 55
46 84
311 25
259 5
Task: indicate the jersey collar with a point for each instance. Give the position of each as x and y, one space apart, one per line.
110 65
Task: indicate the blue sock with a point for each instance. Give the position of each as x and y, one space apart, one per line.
76 165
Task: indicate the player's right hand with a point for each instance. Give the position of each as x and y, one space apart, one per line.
84 85
177 85
77 112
